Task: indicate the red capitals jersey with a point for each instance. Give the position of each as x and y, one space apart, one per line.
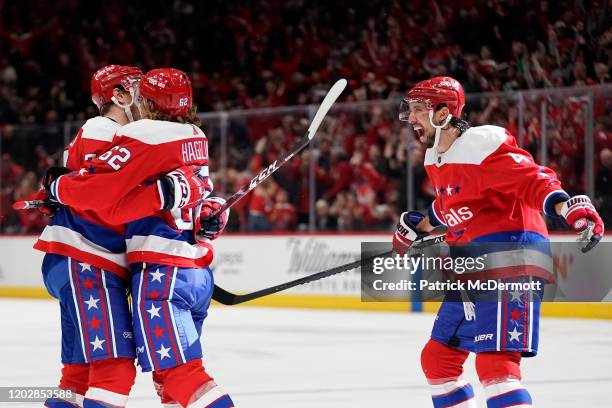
95 237
93 139
83 234
485 184
490 190
142 152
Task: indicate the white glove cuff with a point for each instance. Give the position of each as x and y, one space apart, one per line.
182 193
406 230
575 202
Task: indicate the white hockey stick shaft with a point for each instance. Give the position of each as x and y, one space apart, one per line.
325 106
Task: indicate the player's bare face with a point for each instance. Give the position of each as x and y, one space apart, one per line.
135 112
419 119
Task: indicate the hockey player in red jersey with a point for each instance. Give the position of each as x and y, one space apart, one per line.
85 266
488 190
169 252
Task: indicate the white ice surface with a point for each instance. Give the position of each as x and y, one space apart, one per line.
308 358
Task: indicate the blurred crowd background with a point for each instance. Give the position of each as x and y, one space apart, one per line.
247 63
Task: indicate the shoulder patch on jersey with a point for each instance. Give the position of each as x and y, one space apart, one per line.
473 147
154 132
99 128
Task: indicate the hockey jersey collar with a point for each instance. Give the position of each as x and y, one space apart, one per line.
473 147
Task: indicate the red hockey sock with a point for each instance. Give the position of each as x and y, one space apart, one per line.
496 366
500 374
181 382
110 381
158 383
442 363
75 377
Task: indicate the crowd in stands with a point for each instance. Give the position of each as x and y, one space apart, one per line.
282 53
363 157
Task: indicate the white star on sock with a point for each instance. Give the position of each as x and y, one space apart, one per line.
516 296
85 267
92 302
97 343
514 335
156 276
163 352
154 311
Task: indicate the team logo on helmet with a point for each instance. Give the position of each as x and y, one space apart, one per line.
448 84
155 82
169 89
102 72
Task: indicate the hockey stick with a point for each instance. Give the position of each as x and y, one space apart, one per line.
327 103
226 298
26 205
220 294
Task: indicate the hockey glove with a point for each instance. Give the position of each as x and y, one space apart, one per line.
182 188
406 232
49 206
582 216
207 227
52 174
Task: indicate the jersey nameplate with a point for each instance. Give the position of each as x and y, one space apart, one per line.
193 151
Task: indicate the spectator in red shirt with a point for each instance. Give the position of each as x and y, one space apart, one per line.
260 206
283 216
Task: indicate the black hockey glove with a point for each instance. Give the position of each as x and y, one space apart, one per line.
50 205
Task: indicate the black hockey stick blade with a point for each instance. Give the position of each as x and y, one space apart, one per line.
226 298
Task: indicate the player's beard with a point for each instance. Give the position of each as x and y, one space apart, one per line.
426 137
431 139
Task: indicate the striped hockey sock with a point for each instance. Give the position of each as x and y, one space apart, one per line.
101 398
210 395
58 403
455 394
509 393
